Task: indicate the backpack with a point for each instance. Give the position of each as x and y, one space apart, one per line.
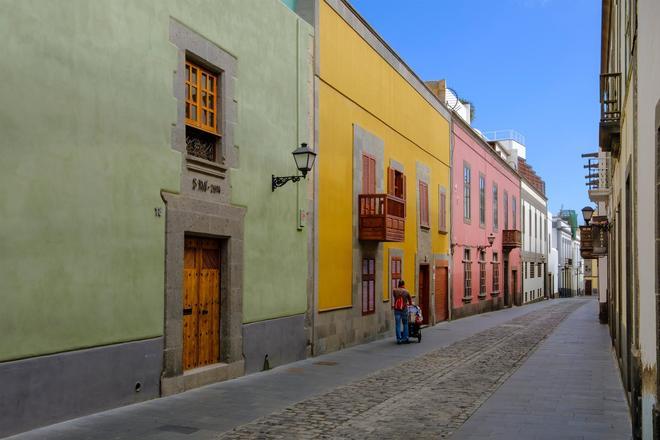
398 303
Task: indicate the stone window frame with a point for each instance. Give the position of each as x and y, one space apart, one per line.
199 50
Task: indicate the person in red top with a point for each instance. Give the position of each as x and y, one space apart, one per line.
401 300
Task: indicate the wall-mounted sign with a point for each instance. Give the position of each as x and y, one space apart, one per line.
204 186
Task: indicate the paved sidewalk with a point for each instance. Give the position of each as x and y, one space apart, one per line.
486 341
569 388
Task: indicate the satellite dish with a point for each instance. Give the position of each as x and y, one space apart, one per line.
451 99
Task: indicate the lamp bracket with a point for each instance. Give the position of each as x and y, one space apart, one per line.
278 181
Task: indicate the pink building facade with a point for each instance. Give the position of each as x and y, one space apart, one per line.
485 202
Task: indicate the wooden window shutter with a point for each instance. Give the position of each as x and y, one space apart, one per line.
391 181
368 175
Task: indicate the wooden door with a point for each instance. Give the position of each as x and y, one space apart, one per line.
587 287
441 279
201 303
423 300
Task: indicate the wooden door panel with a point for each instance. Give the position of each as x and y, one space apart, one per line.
441 278
190 311
201 303
204 328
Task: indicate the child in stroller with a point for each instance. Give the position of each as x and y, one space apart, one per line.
415 322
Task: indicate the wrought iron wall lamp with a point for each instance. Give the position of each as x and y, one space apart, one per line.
304 158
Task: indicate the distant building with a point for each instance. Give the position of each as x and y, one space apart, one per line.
535 244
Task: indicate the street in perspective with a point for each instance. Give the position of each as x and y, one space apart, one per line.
330 219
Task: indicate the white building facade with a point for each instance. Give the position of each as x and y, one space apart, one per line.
535 244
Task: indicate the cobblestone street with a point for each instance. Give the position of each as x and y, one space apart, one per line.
428 390
427 397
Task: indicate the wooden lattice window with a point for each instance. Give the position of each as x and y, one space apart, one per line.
423 204
201 98
201 112
395 272
531 269
368 285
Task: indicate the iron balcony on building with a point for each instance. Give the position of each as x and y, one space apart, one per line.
511 238
382 217
610 112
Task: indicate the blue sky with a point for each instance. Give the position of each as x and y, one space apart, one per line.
527 65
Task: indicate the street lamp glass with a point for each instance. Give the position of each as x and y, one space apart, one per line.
304 158
587 212
491 239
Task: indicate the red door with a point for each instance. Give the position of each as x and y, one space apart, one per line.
423 300
441 278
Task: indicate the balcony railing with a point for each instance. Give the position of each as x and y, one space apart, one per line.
382 217
511 238
610 112
598 176
610 97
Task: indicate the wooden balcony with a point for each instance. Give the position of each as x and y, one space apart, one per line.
610 112
586 242
382 217
511 238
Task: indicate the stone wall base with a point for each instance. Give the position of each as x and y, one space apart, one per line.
199 377
338 329
283 340
48 389
475 308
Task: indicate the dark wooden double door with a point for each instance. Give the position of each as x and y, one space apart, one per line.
201 302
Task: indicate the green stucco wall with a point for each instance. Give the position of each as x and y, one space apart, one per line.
85 136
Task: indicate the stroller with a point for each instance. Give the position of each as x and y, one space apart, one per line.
415 322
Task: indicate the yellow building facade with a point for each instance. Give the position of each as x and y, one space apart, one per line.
384 152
